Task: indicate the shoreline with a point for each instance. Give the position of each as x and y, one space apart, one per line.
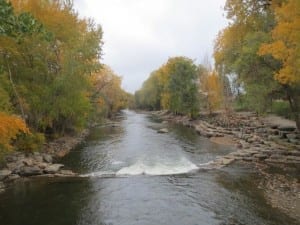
25 165
264 146
255 140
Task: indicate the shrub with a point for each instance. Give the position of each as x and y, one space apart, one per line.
29 142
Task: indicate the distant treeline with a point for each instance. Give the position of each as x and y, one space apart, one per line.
257 61
51 78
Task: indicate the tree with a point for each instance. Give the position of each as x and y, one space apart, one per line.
284 47
107 95
10 127
236 50
171 87
51 73
212 90
182 86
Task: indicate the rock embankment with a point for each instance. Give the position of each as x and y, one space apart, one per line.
256 139
44 163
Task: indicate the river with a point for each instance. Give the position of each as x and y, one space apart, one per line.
132 175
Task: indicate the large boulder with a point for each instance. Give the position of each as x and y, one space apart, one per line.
30 171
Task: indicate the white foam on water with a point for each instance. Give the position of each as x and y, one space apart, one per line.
117 162
158 168
99 174
203 165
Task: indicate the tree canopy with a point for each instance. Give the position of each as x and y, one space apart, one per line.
48 58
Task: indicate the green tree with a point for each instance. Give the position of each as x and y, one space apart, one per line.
284 47
53 76
183 86
172 87
236 50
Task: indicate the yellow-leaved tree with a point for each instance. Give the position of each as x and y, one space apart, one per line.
10 127
285 47
211 88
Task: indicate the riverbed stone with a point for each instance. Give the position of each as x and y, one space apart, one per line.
27 161
30 171
15 166
2 186
4 173
260 156
21 156
287 128
12 177
38 158
11 158
42 165
163 131
294 153
227 161
67 172
53 168
47 158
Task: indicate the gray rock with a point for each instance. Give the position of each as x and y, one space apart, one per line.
36 154
27 161
287 128
11 158
294 153
13 177
292 136
273 137
248 159
273 131
226 161
53 168
2 186
21 156
13 166
4 173
47 158
294 158
276 156
260 156
67 172
274 126
283 134
275 161
163 130
38 158
42 165
30 171
294 141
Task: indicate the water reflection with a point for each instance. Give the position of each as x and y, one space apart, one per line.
44 201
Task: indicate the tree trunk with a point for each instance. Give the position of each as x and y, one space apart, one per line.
294 100
15 90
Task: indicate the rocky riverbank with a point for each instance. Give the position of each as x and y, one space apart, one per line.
23 165
255 139
271 144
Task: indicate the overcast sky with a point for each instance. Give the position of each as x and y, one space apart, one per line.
140 35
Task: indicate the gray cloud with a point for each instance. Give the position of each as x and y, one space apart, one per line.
140 35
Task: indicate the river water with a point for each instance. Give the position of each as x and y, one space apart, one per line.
132 175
